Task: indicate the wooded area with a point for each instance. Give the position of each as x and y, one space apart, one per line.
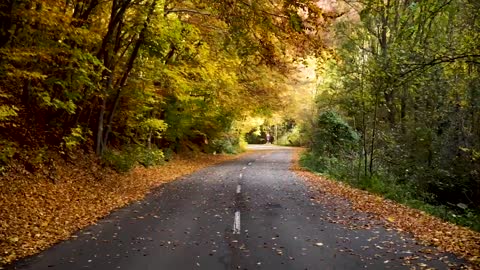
384 93
397 88
406 81
144 77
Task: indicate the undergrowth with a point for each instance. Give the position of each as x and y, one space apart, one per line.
391 188
125 159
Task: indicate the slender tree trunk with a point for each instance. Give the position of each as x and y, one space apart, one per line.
390 102
149 139
364 125
99 144
107 54
374 131
364 148
99 141
403 110
82 12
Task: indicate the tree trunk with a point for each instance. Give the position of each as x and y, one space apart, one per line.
374 131
99 142
107 54
389 101
131 62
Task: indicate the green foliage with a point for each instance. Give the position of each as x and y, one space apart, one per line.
256 136
121 161
333 136
154 125
7 150
168 154
295 21
385 184
293 137
77 136
151 157
228 144
318 163
125 159
38 157
412 95
7 112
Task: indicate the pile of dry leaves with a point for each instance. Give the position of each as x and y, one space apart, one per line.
37 212
426 228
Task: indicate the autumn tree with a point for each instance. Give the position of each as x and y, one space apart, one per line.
108 75
406 76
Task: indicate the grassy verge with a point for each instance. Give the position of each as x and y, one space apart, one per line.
385 185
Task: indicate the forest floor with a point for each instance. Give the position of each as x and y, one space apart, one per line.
427 229
38 211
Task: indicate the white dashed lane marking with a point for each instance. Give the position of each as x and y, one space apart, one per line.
236 223
236 219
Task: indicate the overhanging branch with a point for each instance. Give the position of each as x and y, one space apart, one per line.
186 10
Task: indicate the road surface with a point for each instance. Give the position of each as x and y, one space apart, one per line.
251 213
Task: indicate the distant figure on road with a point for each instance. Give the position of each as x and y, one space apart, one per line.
268 138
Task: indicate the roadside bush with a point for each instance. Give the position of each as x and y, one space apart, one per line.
151 157
168 154
228 144
125 159
7 150
294 137
256 136
333 136
318 163
121 161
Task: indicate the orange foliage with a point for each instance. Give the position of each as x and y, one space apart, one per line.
36 213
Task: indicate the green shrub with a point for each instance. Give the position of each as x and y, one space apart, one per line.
151 157
333 136
256 136
309 160
77 136
168 154
294 137
125 160
121 161
7 150
226 144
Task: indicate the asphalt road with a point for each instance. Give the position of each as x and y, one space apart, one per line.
251 213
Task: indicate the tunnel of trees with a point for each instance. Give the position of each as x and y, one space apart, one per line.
393 104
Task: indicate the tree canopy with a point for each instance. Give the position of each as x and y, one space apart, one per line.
155 73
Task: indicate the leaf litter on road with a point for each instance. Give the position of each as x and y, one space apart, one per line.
36 213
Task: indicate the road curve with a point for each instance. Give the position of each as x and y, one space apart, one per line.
250 213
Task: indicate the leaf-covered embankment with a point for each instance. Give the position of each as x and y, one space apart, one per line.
35 212
426 228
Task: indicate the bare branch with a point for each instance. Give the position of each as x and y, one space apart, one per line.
185 10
